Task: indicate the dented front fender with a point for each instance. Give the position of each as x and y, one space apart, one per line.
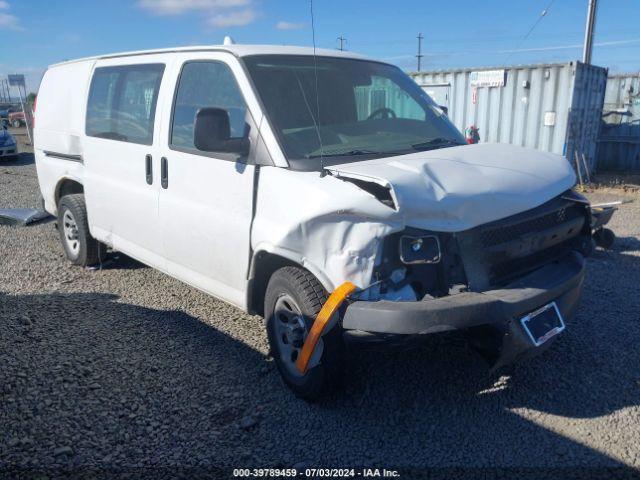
330 226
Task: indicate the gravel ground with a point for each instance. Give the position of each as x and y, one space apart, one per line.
128 370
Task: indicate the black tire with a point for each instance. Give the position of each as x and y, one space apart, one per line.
83 250
604 238
309 295
16 124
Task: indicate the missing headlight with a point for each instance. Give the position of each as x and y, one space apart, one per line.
419 249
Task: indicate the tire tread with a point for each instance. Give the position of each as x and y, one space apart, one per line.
94 251
327 376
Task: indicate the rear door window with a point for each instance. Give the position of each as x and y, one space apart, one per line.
122 102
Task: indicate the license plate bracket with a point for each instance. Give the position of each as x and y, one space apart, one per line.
543 324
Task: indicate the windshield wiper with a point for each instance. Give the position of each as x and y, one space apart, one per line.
345 154
436 143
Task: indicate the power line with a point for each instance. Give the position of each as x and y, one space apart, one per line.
568 35
533 27
577 46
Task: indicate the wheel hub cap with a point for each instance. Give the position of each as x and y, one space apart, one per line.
70 229
290 330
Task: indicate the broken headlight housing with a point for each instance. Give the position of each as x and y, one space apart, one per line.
429 262
419 249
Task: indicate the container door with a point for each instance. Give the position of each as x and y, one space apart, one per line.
440 93
585 115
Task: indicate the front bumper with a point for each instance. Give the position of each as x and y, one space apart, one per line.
8 151
559 281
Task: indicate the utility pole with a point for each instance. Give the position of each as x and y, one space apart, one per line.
342 42
589 31
419 55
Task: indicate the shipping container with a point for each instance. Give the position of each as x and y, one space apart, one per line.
552 107
619 145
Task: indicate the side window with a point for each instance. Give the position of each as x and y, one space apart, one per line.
100 106
206 84
122 102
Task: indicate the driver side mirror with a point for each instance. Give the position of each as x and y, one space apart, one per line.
212 133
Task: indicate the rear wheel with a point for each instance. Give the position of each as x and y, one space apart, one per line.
293 299
79 246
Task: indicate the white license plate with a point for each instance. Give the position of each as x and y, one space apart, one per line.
544 323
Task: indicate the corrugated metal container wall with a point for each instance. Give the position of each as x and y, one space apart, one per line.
554 107
619 146
384 93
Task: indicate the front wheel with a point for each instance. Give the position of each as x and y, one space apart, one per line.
604 238
293 299
16 123
79 246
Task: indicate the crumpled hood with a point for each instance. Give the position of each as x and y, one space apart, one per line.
454 189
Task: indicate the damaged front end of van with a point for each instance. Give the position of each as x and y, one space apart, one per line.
487 239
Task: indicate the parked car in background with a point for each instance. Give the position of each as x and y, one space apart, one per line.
16 119
8 146
318 188
6 109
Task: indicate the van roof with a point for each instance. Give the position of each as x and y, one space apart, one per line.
235 49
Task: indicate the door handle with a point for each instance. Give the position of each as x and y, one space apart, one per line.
164 172
148 166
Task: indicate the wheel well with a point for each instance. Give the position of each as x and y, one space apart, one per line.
67 187
265 264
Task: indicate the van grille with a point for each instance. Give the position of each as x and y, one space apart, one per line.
501 251
494 235
502 273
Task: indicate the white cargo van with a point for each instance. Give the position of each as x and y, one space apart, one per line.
326 192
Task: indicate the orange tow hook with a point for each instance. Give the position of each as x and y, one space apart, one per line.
317 329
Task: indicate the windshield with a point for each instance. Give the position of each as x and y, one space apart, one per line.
362 109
